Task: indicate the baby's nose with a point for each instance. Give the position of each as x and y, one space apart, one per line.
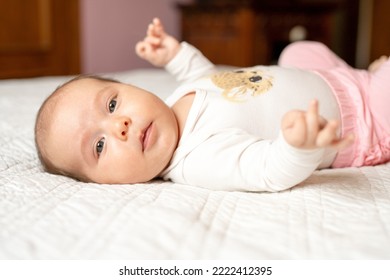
121 127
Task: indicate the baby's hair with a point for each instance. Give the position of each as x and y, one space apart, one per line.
43 122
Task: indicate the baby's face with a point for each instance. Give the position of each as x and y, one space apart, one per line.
111 132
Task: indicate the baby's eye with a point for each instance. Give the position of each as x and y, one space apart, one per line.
112 105
100 146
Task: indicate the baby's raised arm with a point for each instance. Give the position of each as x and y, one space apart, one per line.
158 47
308 130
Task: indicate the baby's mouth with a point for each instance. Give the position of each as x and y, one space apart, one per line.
145 137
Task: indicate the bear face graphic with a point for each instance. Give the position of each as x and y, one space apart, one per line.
240 84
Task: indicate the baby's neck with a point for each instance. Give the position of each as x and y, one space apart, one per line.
181 109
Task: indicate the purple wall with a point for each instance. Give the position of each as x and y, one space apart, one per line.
111 28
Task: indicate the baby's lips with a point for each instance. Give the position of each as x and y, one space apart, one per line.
144 136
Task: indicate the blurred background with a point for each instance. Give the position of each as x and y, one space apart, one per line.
62 37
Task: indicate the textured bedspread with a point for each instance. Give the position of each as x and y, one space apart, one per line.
335 214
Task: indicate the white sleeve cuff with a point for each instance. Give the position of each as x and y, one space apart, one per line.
289 165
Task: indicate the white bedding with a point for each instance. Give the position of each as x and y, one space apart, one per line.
335 214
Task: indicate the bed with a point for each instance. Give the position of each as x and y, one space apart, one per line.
335 214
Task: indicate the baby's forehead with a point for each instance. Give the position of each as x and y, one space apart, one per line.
79 87
85 81
77 93
91 80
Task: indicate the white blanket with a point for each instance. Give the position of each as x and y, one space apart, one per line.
335 214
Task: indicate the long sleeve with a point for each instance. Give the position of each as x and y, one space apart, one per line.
234 160
189 64
286 166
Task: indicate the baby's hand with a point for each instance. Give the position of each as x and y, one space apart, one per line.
158 47
308 130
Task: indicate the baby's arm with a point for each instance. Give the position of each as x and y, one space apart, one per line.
308 130
233 159
182 60
158 47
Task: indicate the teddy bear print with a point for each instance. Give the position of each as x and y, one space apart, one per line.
240 84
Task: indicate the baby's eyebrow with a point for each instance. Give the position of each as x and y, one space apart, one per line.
101 95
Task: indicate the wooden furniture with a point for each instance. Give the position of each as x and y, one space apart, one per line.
380 43
38 37
246 33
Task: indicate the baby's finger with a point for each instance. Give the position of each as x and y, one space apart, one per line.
159 28
295 133
155 28
328 134
312 121
156 41
142 49
322 122
344 142
157 23
151 31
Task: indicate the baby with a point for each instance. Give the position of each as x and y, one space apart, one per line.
251 129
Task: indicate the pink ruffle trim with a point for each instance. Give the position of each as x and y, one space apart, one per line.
379 153
356 119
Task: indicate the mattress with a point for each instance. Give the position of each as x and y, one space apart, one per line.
334 214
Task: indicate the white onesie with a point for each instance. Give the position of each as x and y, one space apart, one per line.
232 138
